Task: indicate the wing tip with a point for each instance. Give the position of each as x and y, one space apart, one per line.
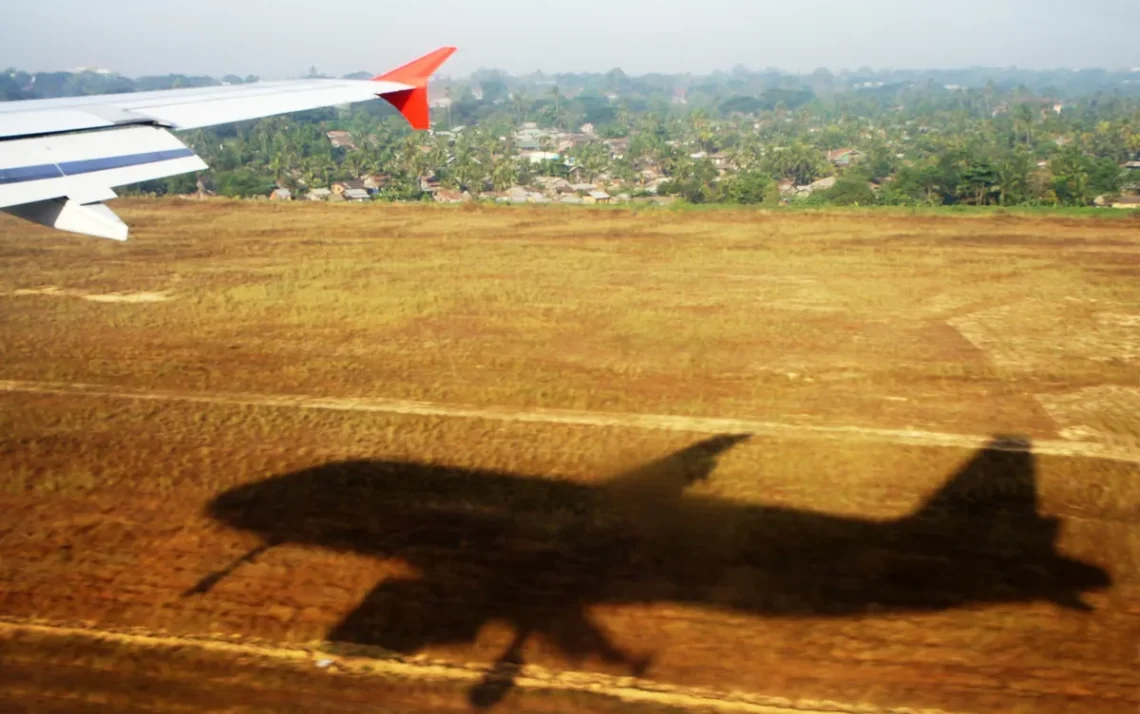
413 102
417 72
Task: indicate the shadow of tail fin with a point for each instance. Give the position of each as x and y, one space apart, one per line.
1000 482
988 512
664 480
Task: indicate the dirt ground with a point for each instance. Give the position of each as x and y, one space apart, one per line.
310 458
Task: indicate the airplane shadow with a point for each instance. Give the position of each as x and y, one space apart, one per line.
535 552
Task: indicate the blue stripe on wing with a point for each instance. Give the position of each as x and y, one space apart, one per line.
20 174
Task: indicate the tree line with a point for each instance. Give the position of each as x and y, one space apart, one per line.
996 138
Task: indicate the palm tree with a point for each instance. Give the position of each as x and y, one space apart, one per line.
1012 176
521 104
504 173
1023 117
355 163
559 116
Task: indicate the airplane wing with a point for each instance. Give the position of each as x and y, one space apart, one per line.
60 159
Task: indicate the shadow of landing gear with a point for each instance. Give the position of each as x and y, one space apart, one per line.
501 678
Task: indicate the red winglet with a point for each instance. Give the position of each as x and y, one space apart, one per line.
413 103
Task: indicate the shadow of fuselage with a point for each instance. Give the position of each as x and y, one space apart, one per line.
535 552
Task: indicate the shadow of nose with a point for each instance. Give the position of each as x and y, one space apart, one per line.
717 444
1084 576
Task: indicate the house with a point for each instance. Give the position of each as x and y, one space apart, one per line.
823 184
844 157
202 191
1132 202
342 187
588 129
537 157
446 195
374 182
1132 165
617 147
597 197
341 140
318 194
281 194
722 160
554 184
356 194
517 194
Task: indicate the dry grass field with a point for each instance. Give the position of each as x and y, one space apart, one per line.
361 458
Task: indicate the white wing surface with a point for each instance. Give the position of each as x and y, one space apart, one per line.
61 158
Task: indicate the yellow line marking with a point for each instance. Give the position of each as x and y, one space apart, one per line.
659 422
626 689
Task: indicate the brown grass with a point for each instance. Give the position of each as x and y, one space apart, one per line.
948 323
964 325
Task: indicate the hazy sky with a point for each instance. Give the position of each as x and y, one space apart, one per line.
282 38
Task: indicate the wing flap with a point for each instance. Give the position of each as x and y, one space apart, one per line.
85 167
72 216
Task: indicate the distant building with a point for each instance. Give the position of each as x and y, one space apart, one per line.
844 157
1132 202
597 197
722 160
318 194
374 182
356 194
342 187
445 195
554 184
822 185
537 157
281 194
341 140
